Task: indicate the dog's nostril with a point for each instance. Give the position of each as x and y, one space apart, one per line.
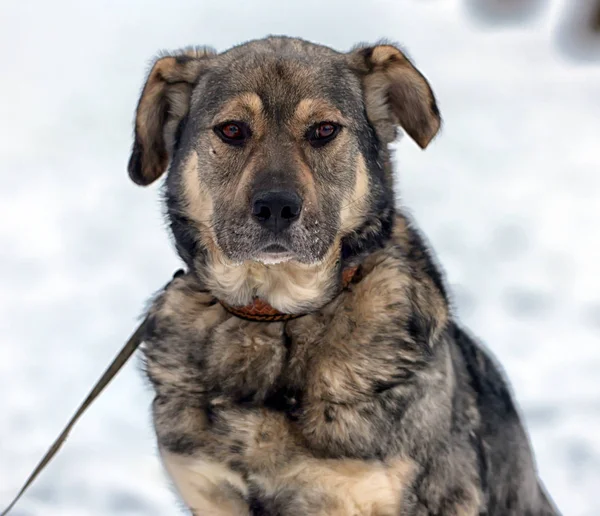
261 212
290 212
276 209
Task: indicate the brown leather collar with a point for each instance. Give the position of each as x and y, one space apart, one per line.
260 310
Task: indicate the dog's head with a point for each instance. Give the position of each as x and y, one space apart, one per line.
278 164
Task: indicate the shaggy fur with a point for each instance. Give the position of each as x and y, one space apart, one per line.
375 401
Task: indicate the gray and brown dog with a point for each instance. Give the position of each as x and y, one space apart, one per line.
362 397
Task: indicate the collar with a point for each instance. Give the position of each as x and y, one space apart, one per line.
259 310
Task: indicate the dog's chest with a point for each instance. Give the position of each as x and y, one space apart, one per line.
328 359
324 372
289 416
299 413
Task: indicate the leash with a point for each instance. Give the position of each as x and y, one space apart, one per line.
256 311
116 365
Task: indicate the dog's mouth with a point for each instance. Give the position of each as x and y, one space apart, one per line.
274 253
275 249
241 243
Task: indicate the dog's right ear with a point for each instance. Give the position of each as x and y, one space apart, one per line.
164 103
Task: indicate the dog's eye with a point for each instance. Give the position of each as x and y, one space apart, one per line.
233 133
322 133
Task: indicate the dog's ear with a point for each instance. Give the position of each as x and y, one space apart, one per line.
395 93
164 103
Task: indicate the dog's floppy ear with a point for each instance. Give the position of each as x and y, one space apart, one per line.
164 103
396 94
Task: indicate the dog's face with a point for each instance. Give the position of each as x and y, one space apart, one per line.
278 148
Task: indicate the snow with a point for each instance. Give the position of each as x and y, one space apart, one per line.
508 195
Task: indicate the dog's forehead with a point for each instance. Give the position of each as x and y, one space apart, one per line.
282 72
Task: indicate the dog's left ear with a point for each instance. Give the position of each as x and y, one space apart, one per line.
396 94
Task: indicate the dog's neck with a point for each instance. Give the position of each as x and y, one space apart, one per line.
260 310
288 288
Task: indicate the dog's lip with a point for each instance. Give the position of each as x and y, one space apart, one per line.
274 249
274 253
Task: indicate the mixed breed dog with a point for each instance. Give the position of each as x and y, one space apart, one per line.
307 361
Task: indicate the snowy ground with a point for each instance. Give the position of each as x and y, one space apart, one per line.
509 196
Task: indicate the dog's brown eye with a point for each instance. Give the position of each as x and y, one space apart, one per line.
322 133
234 133
325 131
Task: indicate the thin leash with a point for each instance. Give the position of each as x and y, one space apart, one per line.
118 362
116 365
258 311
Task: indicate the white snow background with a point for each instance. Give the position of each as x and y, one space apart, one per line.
508 194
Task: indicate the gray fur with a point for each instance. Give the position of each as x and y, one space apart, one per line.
375 401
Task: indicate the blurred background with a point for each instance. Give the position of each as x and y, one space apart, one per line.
508 194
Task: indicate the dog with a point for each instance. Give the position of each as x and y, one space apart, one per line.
307 361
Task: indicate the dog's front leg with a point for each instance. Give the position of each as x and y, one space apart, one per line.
180 322
205 486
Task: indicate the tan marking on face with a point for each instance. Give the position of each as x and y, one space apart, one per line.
354 207
239 189
306 178
198 202
247 107
310 111
202 484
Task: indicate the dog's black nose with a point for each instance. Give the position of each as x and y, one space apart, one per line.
276 209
